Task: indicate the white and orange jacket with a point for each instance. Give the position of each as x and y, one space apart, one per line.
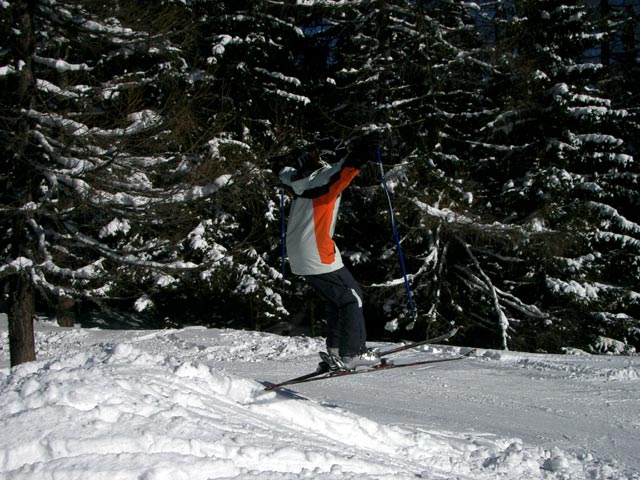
312 217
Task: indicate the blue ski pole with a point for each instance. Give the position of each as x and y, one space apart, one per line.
395 234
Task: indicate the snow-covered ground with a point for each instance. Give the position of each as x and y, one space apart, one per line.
188 404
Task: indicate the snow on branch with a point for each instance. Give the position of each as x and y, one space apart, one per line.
219 48
75 168
616 318
61 65
48 87
450 217
616 218
214 253
252 278
11 267
290 96
114 29
50 119
624 240
599 138
198 192
129 259
503 321
87 272
585 291
506 298
216 143
279 76
114 227
140 121
622 159
610 346
7 70
428 262
57 291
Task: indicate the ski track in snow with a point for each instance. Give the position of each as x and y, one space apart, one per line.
183 404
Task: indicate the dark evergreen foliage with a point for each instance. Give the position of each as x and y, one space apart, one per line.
139 137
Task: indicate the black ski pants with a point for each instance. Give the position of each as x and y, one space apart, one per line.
343 299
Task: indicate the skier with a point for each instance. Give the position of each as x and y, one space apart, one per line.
316 187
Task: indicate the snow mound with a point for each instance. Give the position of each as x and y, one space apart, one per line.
197 343
116 411
600 368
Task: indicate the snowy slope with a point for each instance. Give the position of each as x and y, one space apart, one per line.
186 404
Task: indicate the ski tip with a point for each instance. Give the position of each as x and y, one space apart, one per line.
272 387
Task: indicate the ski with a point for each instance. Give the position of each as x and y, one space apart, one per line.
382 367
301 379
318 375
410 345
377 368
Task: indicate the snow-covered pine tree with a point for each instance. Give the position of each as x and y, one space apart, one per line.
618 32
411 71
361 55
446 107
105 160
252 52
560 170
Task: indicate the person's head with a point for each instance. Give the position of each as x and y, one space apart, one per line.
308 160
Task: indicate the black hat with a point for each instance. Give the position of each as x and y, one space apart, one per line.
303 160
307 159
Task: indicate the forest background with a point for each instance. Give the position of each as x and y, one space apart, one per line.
138 141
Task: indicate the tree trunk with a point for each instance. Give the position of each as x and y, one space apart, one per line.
605 47
65 311
21 312
21 291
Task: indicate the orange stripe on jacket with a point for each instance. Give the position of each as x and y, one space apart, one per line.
323 212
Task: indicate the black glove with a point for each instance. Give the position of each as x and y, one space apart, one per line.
303 159
278 163
290 158
364 149
374 138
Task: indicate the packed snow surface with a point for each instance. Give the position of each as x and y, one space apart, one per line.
190 404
